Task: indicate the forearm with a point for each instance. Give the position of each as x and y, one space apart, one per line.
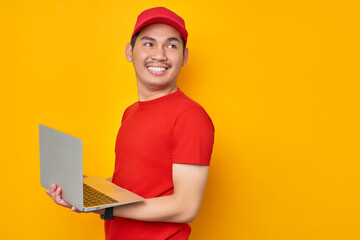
163 209
180 207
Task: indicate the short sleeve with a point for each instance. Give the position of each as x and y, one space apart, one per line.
124 115
193 137
127 111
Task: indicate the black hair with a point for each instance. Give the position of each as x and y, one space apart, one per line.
133 40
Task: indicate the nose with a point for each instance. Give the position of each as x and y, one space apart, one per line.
159 54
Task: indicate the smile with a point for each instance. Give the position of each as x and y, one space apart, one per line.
157 69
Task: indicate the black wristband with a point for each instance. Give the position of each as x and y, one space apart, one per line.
109 214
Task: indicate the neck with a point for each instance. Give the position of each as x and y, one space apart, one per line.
149 94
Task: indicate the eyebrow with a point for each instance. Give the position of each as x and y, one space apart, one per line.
173 39
148 38
153 39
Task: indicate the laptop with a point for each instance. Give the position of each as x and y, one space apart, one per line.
61 162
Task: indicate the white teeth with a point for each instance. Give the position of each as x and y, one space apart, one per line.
157 69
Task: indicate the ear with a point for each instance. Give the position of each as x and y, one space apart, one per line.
128 52
186 56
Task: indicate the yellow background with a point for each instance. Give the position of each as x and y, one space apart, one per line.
280 80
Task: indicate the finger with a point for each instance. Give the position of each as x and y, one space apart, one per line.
65 204
57 195
53 188
74 209
59 200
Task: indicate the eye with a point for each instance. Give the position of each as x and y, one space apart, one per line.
172 46
148 44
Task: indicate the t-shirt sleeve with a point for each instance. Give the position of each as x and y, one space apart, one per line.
126 113
193 137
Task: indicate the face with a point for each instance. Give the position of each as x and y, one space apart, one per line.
157 57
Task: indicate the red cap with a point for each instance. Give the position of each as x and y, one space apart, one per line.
160 15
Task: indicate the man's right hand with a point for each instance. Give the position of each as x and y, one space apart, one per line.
55 193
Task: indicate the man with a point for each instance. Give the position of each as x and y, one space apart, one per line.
164 144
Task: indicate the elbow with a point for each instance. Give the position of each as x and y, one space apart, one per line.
188 216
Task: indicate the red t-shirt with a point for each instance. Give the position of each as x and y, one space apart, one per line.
154 135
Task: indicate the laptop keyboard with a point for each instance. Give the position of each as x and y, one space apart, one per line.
93 197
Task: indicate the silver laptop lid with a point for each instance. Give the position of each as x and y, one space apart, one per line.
61 163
